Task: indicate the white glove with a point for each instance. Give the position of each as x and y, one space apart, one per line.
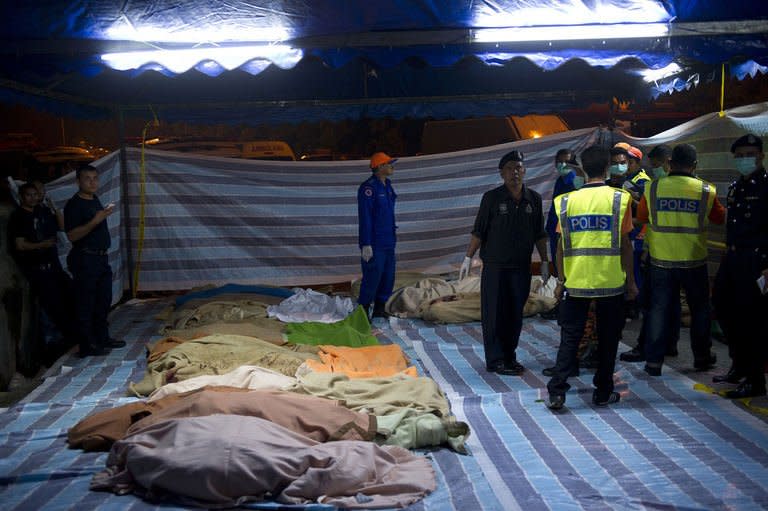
544 271
464 270
367 253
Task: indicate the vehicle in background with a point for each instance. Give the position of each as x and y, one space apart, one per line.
276 150
61 154
251 150
457 135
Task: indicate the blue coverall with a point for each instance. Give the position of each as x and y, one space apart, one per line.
376 217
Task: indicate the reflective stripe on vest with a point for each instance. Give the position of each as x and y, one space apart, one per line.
679 246
588 266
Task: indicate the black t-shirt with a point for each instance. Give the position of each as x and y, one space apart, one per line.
509 229
79 211
34 226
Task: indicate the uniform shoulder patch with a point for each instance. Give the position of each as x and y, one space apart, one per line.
368 191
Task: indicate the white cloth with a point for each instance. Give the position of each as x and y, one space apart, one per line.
244 377
308 305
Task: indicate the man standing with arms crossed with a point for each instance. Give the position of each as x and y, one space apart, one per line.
509 223
85 221
595 259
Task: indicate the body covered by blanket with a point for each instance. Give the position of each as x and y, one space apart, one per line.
243 377
363 362
217 354
228 460
320 419
411 412
354 330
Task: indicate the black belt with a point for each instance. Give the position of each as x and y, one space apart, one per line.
91 251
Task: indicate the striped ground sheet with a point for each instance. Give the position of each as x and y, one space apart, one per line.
664 446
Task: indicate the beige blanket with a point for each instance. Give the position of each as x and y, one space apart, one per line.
218 354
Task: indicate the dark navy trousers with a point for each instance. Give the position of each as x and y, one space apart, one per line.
378 276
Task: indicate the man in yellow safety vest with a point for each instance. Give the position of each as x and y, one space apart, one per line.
595 262
678 208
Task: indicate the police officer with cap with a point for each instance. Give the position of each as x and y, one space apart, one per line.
509 223
376 222
739 297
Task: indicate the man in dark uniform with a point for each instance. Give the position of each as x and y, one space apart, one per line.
741 307
85 221
32 231
567 181
376 223
508 225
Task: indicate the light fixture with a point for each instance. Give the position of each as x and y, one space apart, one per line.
654 75
213 33
228 57
570 32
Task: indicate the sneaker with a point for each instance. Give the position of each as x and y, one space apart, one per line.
652 370
633 355
613 397
732 376
556 401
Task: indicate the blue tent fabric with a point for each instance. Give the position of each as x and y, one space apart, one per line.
353 54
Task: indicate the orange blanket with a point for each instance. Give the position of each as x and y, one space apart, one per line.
363 362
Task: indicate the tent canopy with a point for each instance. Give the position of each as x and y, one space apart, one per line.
303 59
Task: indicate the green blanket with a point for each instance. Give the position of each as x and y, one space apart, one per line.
353 331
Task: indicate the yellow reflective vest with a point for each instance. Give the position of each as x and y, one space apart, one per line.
678 215
590 226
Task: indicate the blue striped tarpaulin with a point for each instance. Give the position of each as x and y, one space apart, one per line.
664 446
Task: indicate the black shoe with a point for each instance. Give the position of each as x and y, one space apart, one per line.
112 343
613 397
379 311
92 351
556 401
732 376
506 368
633 355
707 363
652 370
550 371
746 390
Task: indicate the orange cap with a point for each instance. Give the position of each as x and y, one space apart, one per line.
622 145
634 152
380 159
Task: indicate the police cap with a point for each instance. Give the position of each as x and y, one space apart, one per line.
749 140
511 156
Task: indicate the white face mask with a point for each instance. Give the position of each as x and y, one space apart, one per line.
578 182
618 169
562 168
657 172
745 166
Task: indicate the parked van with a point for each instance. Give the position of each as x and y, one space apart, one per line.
456 135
